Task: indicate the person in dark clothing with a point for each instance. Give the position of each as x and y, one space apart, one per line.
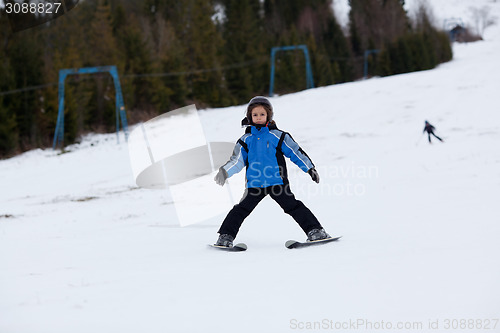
430 130
262 150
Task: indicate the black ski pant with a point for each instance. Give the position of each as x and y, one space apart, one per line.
279 193
429 136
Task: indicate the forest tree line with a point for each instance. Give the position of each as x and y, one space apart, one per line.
212 53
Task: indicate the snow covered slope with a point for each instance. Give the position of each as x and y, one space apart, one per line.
83 250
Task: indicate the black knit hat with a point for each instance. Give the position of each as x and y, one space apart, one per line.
257 100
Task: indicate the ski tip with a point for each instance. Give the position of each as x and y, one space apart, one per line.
290 243
241 246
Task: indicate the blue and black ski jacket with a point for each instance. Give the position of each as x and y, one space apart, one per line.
261 151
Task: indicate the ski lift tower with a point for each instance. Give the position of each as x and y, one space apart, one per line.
309 75
120 108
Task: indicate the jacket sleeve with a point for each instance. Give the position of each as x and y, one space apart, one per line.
238 159
292 150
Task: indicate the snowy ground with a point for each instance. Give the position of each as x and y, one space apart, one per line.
82 249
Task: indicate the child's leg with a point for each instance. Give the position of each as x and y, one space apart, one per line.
295 208
437 137
239 213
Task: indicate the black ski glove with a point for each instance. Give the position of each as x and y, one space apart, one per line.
314 174
221 176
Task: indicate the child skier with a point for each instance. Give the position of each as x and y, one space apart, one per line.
430 130
261 151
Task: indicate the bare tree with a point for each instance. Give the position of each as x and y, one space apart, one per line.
482 19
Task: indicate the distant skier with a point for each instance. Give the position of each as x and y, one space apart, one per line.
430 130
261 150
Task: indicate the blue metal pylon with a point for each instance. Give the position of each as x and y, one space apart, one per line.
309 75
120 107
365 61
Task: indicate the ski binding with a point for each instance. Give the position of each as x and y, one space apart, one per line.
235 248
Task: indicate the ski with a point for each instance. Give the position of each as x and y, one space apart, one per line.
293 244
236 248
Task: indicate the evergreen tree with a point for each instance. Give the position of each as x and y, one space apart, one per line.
24 52
244 43
8 131
203 43
102 43
138 60
337 49
174 61
320 63
8 125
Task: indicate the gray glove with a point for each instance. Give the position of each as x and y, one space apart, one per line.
314 174
221 176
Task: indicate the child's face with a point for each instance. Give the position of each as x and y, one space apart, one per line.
259 115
